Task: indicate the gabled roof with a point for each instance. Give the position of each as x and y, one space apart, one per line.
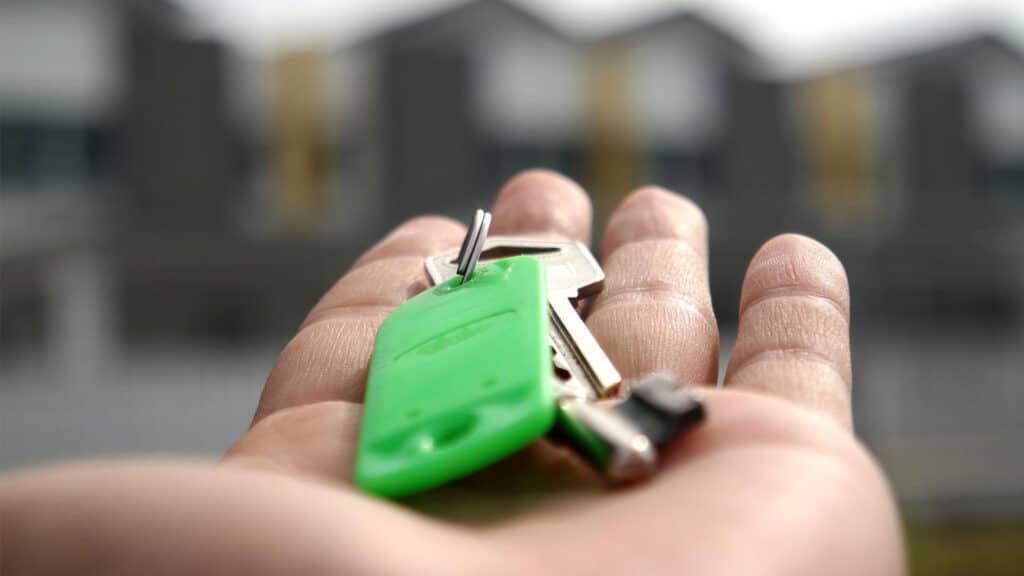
466 8
735 48
957 48
680 19
463 9
940 50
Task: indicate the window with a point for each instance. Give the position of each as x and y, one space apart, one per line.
34 152
684 170
502 161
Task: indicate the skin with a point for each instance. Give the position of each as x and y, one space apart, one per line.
773 483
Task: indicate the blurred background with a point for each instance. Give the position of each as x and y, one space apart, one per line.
180 180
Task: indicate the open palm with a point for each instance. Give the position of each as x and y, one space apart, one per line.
773 483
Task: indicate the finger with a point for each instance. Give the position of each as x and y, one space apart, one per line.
329 357
793 338
316 440
542 203
655 312
420 237
392 270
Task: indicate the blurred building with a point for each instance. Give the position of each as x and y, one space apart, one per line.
454 104
912 167
955 149
148 273
59 84
132 162
168 202
447 107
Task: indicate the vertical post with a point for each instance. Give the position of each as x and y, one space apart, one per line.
80 318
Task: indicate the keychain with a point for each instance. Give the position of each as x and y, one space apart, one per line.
462 375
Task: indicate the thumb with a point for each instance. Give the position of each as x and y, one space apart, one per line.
316 440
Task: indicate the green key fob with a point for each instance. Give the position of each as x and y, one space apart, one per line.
460 378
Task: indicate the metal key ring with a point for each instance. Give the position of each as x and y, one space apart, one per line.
472 244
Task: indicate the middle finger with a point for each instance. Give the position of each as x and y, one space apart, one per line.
655 314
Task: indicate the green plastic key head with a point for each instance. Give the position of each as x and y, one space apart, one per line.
460 378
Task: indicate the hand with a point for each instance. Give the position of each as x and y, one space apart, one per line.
773 483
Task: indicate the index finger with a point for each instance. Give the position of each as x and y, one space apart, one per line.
329 357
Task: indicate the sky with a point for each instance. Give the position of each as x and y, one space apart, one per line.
792 34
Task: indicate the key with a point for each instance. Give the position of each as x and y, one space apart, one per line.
621 437
566 384
459 378
572 273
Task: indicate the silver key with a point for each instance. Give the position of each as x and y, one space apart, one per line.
611 443
572 272
621 437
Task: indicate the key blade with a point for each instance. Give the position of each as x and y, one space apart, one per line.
572 338
567 385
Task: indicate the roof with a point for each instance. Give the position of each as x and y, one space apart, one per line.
420 23
939 49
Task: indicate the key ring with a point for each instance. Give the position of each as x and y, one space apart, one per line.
473 244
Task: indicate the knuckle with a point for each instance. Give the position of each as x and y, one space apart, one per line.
793 327
805 380
796 322
656 301
657 261
794 265
644 335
